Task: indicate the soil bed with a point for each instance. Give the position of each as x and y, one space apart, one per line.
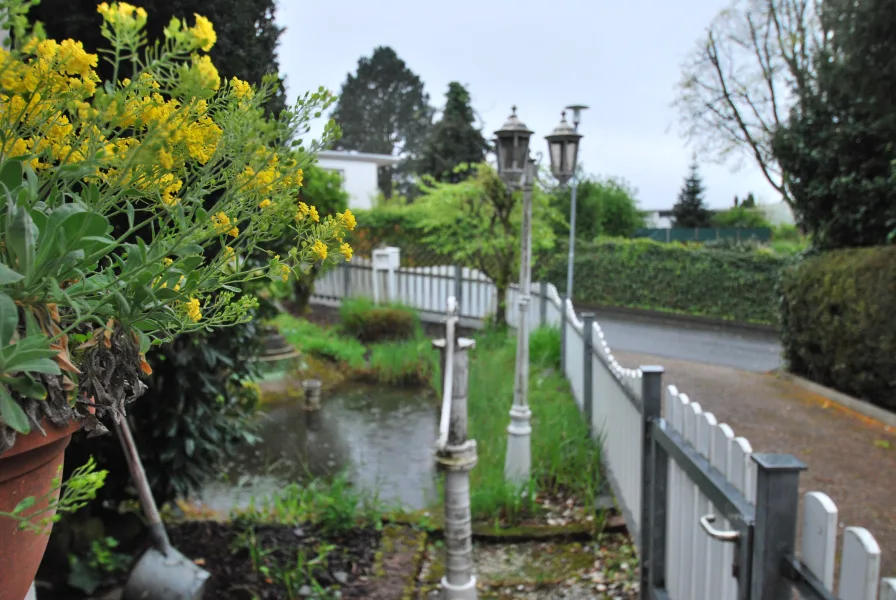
222 550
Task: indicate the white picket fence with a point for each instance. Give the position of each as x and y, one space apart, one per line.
698 567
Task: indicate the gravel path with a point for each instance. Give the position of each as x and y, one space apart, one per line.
851 458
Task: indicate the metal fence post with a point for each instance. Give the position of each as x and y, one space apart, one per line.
543 303
777 506
346 279
458 287
456 460
587 363
563 336
654 469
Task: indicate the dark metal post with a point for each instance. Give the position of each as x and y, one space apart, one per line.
346 279
563 336
458 287
654 465
777 506
587 363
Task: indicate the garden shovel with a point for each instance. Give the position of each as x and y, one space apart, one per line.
162 573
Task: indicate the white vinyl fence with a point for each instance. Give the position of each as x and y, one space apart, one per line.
705 536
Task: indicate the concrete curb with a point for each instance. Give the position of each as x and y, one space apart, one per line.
659 315
885 417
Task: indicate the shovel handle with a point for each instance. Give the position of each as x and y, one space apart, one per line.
156 528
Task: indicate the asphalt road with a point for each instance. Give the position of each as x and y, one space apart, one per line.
748 350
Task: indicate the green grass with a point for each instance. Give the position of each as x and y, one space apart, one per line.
326 343
400 363
563 456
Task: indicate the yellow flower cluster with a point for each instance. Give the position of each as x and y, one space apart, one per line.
223 224
346 251
347 219
319 249
305 210
193 310
241 89
122 14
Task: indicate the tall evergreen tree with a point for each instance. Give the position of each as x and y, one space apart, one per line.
690 210
455 139
247 32
384 109
838 146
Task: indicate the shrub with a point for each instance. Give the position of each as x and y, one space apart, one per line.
369 323
642 273
412 362
837 321
544 347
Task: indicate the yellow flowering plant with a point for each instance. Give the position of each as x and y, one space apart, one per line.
129 208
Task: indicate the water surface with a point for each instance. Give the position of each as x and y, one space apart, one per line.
382 437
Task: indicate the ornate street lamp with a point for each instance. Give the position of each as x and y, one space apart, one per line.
563 148
517 169
512 149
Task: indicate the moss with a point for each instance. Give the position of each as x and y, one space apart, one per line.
397 540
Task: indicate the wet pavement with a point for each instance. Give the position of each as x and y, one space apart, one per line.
383 439
756 351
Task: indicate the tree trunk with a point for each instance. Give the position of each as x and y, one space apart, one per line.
501 312
304 288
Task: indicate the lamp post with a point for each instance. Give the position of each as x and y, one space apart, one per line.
563 149
517 170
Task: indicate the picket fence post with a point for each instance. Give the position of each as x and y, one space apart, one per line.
587 373
774 535
563 336
654 471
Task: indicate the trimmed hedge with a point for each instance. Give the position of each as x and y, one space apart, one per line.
738 286
838 321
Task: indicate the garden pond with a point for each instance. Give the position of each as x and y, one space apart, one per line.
382 438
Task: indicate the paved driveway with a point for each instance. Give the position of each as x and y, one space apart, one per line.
743 349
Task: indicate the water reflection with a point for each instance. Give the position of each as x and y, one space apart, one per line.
384 438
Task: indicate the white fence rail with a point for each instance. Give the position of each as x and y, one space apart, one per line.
696 565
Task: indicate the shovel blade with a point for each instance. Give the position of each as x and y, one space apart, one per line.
170 576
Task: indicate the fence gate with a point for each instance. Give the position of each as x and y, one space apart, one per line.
703 537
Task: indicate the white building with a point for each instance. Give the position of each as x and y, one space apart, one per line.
359 173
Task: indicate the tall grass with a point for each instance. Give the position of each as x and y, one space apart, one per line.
325 343
564 459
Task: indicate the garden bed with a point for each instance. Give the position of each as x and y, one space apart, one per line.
278 561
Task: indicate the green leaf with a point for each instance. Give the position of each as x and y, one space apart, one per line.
12 413
22 239
8 276
189 249
27 387
24 505
9 319
11 174
130 211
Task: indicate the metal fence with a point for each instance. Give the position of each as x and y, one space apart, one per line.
711 519
705 234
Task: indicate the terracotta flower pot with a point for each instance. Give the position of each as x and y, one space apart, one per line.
27 469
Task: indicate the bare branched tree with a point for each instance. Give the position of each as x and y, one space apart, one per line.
744 76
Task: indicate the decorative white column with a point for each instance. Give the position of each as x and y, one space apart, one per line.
456 458
518 460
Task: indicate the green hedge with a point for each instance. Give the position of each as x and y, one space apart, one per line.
838 321
738 286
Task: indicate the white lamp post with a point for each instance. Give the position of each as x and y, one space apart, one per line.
517 171
563 149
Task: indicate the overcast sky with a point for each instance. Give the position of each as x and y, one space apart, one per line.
620 57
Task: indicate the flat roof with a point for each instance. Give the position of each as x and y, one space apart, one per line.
381 160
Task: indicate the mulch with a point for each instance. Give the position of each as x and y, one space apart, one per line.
218 548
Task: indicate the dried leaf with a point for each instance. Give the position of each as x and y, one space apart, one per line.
67 384
63 359
54 313
144 366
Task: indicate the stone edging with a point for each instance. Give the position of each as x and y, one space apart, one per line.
885 417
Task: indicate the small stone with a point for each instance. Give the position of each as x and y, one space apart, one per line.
520 588
341 577
601 587
624 566
305 591
298 532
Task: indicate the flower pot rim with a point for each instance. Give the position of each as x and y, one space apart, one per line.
35 439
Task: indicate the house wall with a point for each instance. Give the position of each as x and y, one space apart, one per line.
358 177
778 213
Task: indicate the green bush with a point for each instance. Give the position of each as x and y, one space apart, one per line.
838 323
641 273
369 323
412 362
326 343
